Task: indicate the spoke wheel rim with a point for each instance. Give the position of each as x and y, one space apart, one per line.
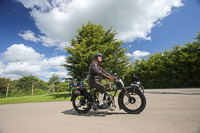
132 101
81 103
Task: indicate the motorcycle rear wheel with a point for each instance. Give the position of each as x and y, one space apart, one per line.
134 102
81 104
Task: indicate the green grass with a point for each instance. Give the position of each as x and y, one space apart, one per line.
38 98
63 96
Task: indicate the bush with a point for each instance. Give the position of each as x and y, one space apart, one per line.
170 69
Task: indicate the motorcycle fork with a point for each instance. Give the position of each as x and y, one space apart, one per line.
126 92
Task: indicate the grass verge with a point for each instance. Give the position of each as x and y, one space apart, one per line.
64 96
38 98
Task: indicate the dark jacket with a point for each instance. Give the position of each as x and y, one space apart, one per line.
96 72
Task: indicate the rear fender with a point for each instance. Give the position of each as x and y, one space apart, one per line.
76 92
80 92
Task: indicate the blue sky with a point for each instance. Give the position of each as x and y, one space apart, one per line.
181 26
34 33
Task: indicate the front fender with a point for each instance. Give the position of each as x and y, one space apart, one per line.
132 87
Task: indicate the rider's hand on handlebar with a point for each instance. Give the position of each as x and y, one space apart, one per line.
110 78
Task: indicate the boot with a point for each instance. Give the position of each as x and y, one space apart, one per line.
101 104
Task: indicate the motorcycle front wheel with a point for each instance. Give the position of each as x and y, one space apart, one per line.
133 102
81 104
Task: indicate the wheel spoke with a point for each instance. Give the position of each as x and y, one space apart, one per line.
78 100
132 106
132 101
79 105
127 103
135 105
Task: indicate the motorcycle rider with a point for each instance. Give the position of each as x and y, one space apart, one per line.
135 78
96 72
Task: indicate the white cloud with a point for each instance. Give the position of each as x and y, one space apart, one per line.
2 67
132 19
29 36
43 4
20 53
21 60
44 39
140 53
47 41
137 54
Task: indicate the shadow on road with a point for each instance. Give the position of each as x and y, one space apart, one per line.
101 113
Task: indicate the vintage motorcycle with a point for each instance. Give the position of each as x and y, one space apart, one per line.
131 99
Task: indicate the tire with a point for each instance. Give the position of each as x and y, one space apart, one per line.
136 100
81 104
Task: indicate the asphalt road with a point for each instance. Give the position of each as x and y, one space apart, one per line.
167 111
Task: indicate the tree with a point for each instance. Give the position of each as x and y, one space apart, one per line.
3 84
198 37
91 39
55 78
25 83
178 67
55 83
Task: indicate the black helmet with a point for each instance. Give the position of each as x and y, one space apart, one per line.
96 55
